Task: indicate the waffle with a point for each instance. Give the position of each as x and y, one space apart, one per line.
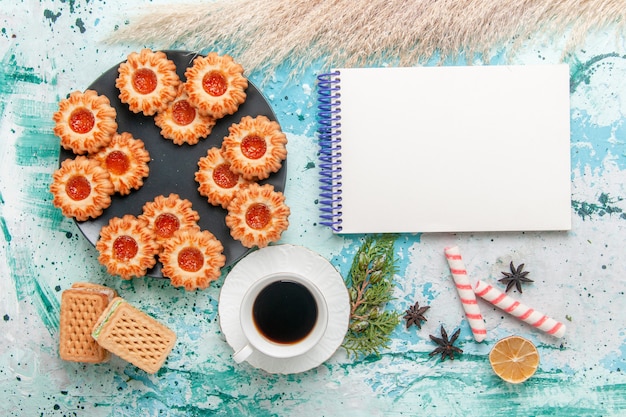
90 286
81 306
134 336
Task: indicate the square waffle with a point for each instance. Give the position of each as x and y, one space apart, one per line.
134 336
81 306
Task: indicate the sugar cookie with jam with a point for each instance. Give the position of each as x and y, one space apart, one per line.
255 147
147 81
166 215
126 159
258 215
182 123
81 188
216 85
85 122
217 182
127 247
192 258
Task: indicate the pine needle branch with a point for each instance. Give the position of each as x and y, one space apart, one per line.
370 286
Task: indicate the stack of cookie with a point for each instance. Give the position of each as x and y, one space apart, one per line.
96 322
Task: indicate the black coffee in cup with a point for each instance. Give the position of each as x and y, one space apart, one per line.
285 312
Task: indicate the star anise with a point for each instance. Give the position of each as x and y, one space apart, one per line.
446 346
515 277
415 315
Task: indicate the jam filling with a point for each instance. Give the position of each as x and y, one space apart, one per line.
190 259
125 248
258 216
214 83
166 224
117 162
224 177
82 121
78 188
253 146
144 81
183 113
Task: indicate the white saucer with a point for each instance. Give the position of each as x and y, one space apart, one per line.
286 258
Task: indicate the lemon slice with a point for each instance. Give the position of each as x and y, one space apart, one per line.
514 359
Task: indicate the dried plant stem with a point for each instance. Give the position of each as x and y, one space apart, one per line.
359 300
263 34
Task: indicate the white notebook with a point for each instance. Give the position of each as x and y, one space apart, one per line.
445 149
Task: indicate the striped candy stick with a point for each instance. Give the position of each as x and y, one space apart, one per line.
519 310
466 293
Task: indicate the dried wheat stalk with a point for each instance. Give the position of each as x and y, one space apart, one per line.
263 34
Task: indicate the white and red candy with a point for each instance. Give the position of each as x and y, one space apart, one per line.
466 293
519 310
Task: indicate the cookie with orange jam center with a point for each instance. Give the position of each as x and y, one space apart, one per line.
218 183
255 147
85 122
81 188
166 215
147 81
127 247
216 85
182 123
258 215
192 258
126 159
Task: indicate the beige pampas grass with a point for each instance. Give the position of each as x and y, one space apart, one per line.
263 34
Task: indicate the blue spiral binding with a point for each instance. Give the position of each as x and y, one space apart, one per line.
329 139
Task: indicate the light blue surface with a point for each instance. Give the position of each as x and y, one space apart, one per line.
49 48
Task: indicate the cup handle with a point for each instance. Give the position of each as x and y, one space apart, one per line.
242 354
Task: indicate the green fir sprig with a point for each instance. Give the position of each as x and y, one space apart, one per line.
370 285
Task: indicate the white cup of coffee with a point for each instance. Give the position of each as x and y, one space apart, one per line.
282 315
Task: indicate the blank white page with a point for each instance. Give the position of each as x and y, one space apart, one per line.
455 149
